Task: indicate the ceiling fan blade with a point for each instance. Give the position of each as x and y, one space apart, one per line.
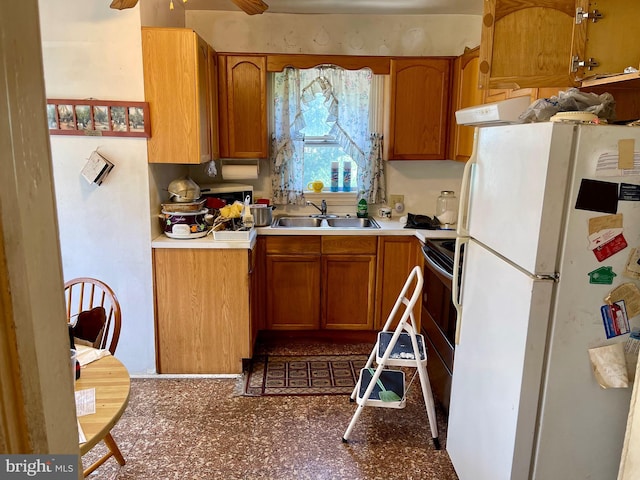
251 7
122 4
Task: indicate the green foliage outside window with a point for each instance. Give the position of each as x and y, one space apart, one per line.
319 155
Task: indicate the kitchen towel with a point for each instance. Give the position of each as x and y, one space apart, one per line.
240 172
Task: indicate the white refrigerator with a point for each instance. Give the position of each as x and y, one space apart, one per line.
524 402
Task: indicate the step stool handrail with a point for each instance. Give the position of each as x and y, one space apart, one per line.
410 303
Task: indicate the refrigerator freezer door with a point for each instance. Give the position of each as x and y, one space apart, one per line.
581 424
517 196
497 368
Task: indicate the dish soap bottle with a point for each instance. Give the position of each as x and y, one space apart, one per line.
362 205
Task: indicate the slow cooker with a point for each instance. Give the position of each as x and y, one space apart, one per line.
185 224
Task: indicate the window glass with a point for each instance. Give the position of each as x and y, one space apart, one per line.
321 149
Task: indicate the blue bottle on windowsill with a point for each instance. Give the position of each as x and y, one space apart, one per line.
334 176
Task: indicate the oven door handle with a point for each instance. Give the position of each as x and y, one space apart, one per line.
455 289
436 266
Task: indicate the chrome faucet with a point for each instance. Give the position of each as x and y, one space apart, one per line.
322 208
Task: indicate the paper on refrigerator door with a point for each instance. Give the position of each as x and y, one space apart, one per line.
632 268
604 222
608 165
630 294
609 366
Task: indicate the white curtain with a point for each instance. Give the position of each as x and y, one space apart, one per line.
350 97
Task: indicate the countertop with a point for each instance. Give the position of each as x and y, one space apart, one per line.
387 228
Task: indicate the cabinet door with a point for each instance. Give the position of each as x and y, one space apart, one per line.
499 94
202 323
465 94
526 43
611 41
243 116
396 258
203 85
348 287
256 294
419 108
293 292
212 72
176 85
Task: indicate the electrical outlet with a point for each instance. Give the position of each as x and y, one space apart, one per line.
393 199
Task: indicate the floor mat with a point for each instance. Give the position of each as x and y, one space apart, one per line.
272 375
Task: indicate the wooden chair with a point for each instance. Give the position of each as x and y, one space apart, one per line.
83 294
86 293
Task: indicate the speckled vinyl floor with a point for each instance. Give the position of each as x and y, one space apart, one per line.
204 429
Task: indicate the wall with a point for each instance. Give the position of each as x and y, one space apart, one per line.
91 50
156 13
398 35
394 35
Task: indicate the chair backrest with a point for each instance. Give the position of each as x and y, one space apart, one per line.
85 293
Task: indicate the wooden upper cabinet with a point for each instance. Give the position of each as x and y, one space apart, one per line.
243 106
465 93
610 43
213 103
499 94
177 86
419 108
526 43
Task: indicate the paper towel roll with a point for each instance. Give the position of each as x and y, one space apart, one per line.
239 172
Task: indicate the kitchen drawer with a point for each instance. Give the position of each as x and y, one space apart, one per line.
293 244
352 245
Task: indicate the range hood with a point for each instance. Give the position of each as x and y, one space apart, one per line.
497 113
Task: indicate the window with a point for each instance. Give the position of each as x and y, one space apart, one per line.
324 117
321 149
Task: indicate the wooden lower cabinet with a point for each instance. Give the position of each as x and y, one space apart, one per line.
292 283
320 282
256 290
293 292
335 282
396 258
348 282
202 310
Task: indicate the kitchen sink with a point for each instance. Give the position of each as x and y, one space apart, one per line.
315 222
296 222
353 222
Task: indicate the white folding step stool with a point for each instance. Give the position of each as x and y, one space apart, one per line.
402 347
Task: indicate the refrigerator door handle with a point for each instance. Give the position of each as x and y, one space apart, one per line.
455 289
465 189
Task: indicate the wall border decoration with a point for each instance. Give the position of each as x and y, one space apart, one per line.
92 117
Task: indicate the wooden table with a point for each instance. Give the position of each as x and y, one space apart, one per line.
111 380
